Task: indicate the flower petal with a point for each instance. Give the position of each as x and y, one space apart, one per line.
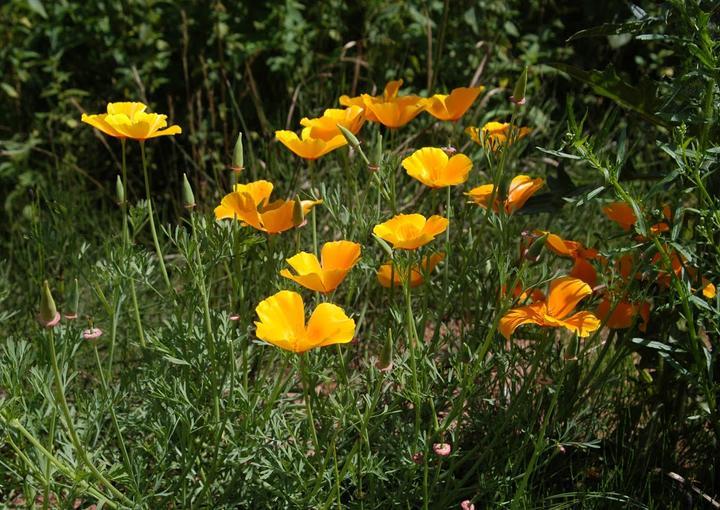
522 187
282 320
259 190
328 325
565 293
239 206
339 255
531 314
582 323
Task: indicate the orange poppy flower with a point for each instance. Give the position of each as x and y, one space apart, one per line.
387 277
389 109
250 204
624 215
326 127
621 213
282 323
306 146
410 231
565 293
130 120
678 263
494 135
582 269
454 105
433 168
337 259
623 315
521 189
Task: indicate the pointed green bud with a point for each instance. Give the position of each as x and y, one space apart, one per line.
238 160
48 316
119 191
384 363
384 245
73 301
298 212
646 376
188 196
518 96
532 254
351 138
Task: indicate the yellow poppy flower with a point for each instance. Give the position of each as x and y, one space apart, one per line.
410 231
250 204
433 168
565 293
282 323
306 146
326 127
389 109
387 277
454 105
493 135
130 120
521 189
337 259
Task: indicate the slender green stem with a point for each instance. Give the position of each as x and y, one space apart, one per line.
66 470
308 395
412 347
151 217
123 450
65 410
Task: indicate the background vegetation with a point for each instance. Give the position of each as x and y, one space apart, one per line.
622 100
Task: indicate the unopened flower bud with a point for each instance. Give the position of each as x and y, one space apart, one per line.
188 195
73 301
351 138
386 356
48 316
418 457
442 449
238 155
532 254
119 191
467 505
92 333
518 96
298 212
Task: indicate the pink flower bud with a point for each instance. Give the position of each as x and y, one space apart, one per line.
467 505
92 333
442 449
417 458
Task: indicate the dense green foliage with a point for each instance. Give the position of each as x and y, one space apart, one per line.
179 406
